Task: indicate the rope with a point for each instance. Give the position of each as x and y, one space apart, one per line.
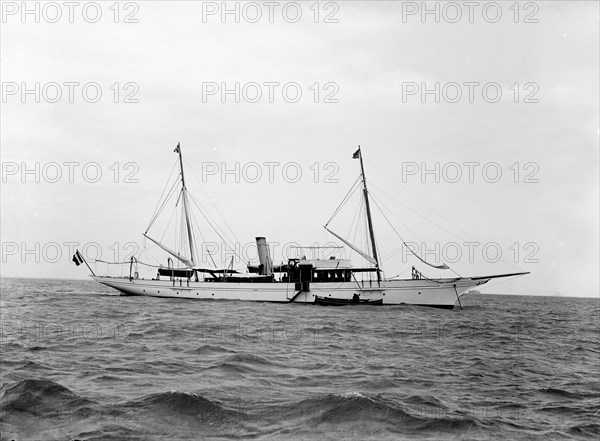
158 210
346 198
215 227
443 266
202 236
420 215
126 263
429 220
214 205
421 202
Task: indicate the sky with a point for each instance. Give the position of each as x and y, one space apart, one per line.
478 125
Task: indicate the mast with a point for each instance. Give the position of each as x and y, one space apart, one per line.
185 205
368 207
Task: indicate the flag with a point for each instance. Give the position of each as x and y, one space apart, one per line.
356 154
77 258
177 148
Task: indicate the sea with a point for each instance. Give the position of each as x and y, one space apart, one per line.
80 362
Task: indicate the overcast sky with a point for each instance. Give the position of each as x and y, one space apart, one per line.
371 61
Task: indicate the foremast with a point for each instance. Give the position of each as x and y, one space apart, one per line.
374 259
184 199
358 155
188 225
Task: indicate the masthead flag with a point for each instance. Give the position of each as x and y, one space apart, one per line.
77 258
177 148
356 154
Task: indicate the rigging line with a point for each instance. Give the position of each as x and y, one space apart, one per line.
213 224
211 258
203 242
358 225
179 197
191 232
126 262
357 218
163 193
367 236
398 275
182 236
195 220
397 218
168 224
420 215
415 254
214 205
162 206
379 254
230 230
177 232
508 262
390 224
156 211
393 253
346 198
208 219
147 249
498 282
179 224
422 202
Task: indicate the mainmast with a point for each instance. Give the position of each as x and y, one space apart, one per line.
358 155
185 206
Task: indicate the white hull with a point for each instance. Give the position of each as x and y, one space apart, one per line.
443 293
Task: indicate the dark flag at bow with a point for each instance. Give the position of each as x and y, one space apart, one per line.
177 148
356 154
77 258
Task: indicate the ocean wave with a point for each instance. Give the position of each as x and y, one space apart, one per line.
38 409
559 392
38 395
245 358
182 415
585 430
353 407
179 404
211 349
242 363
